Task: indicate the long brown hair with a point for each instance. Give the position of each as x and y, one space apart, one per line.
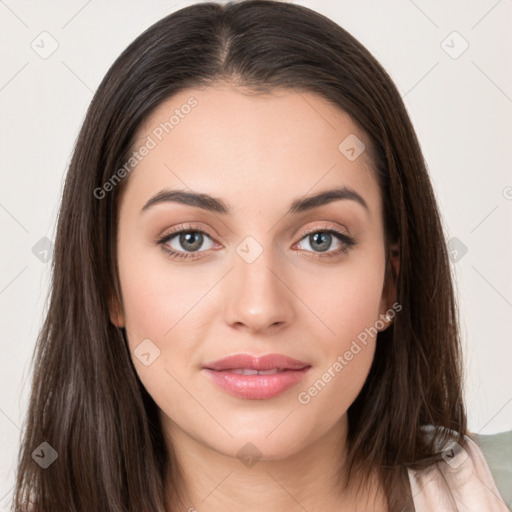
87 401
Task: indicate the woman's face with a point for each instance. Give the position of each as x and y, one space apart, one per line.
249 275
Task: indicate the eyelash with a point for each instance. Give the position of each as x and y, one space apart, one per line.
347 241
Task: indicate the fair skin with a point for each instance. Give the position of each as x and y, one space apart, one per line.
257 154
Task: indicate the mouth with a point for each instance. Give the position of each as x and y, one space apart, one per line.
251 371
256 378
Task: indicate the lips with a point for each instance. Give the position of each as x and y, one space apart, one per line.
256 378
261 363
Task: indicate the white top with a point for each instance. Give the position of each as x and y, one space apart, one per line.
461 483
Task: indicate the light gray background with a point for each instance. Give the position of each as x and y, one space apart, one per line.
461 109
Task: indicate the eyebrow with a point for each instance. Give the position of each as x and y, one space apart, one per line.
217 205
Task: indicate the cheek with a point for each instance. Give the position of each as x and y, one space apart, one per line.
154 302
345 299
348 307
157 295
159 307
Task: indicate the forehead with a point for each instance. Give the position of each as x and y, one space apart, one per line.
222 141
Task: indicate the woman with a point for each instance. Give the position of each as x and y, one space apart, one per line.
251 302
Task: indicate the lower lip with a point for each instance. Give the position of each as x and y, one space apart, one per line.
256 387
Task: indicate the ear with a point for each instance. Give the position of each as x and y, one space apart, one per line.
389 291
116 311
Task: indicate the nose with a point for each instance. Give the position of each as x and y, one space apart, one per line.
258 297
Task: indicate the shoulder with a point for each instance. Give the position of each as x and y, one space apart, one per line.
461 480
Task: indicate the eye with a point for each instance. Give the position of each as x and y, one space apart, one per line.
185 241
320 240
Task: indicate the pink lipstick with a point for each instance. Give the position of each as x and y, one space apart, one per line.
256 378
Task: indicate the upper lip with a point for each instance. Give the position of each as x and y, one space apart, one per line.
266 362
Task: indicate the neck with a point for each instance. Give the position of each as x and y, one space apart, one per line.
310 479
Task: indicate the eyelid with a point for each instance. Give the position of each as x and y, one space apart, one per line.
324 227
169 233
